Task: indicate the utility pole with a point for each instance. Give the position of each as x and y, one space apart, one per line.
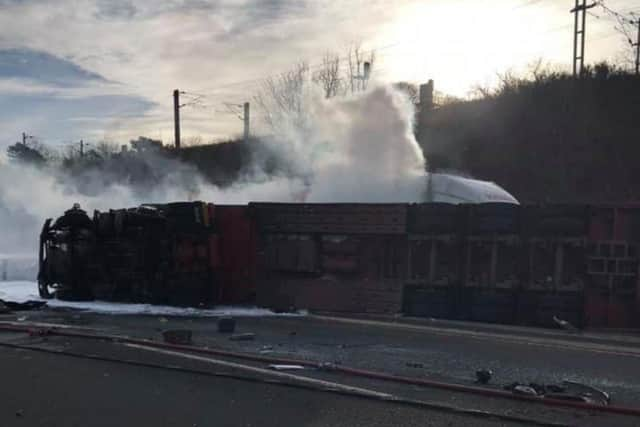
246 118
637 45
176 117
363 77
81 148
579 32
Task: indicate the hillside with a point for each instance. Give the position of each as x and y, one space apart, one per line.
549 139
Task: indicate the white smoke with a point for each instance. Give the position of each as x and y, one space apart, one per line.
357 149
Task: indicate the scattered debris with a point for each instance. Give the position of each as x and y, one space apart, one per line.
22 318
525 389
588 391
266 349
569 390
483 376
247 336
565 325
277 367
162 320
226 325
177 336
292 333
328 366
19 413
415 365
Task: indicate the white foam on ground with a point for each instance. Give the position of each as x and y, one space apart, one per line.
21 291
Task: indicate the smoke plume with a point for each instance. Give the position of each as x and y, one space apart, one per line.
356 149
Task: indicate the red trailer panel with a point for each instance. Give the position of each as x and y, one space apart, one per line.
237 254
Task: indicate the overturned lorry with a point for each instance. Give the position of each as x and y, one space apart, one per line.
165 254
487 262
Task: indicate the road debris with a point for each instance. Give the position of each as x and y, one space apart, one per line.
565 325
588 391
569 390
525 389
247 336
266 349
177 336
414 365
483 376
277 367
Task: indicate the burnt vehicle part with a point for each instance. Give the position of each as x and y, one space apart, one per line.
66 256
160 254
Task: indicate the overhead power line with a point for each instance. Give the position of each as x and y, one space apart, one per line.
625 22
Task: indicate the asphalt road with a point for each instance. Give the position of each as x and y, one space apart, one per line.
52 390
440 354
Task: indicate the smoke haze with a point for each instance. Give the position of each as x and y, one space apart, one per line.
357 149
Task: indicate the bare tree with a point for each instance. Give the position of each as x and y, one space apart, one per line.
441 99
411 90
192 141
106 149
359 74
280 98
329 76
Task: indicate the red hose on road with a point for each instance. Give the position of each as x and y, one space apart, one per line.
331 367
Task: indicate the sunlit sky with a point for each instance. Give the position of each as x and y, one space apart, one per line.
105 69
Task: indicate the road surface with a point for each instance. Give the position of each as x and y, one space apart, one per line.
53 389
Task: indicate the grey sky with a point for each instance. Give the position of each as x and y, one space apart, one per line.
105 69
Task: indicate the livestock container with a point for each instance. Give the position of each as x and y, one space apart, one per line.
612 269
492 263
492 219
555 220
357 273
236 245
331 257
615 223
434 255
539 307
435 218
330 218
432 302
554 244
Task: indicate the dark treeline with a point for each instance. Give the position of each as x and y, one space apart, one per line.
145 163
546 138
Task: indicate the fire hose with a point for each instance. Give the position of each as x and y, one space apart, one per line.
332 367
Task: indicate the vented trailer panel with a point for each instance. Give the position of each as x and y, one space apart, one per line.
330 218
